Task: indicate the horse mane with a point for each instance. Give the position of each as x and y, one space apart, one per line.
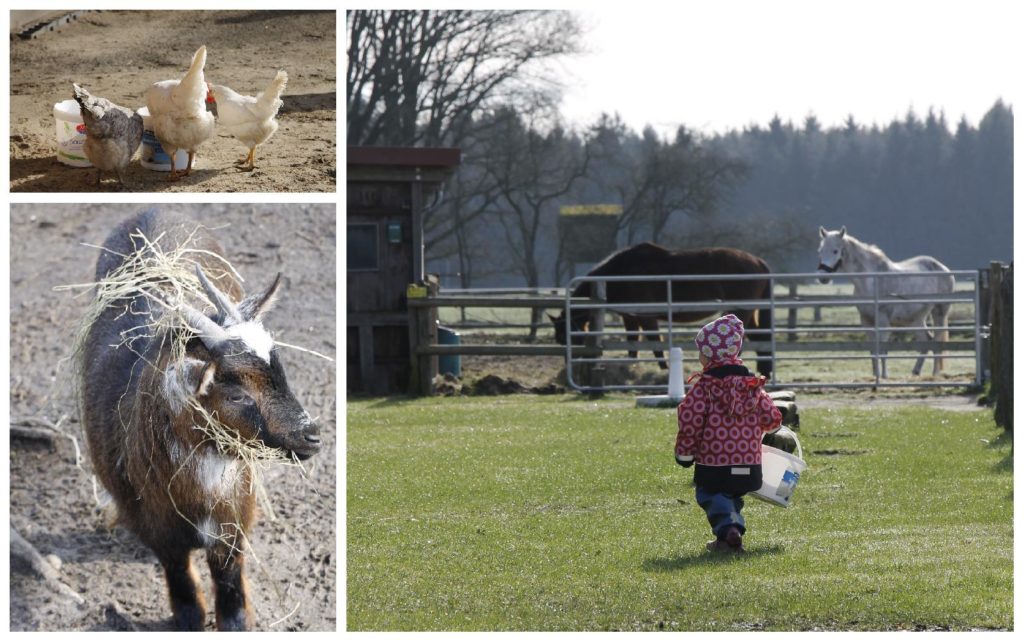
869 248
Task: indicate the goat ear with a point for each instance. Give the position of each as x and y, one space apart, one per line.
197 376
821 231
253 308
842 232
206 379
189 378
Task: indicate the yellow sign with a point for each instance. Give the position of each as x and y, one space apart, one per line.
416 291
602 209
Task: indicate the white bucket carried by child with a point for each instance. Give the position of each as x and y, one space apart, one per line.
70 134
153 155
780 471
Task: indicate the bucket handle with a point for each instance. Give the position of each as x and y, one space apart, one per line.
799 449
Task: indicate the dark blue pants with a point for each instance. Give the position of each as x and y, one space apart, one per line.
723 510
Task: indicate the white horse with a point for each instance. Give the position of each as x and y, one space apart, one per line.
841 252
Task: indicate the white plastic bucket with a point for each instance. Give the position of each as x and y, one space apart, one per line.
153 155
780 472
70 134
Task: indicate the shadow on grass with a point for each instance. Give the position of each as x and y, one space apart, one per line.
669 564
1004 439
386 402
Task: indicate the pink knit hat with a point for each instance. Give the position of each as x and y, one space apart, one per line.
721 340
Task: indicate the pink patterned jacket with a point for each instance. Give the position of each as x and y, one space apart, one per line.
722 419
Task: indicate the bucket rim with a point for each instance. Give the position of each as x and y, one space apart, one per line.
789 456
796 438
67 110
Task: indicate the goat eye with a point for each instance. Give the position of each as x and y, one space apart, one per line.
238 398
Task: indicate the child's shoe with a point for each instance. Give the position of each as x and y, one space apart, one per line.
734 539
729 542
719 546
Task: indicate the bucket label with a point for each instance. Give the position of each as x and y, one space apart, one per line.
788 483
152 151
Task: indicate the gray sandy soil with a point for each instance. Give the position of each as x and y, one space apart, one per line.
52 498
119 54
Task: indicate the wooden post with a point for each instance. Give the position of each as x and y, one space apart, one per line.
422 332
1001 342
984 312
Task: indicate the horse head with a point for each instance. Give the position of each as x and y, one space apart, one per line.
830 252
578 324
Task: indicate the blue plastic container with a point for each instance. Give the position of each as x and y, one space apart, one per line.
449 363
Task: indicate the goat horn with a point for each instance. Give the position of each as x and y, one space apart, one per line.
211 334
218 298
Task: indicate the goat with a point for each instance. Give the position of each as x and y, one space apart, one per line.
145 406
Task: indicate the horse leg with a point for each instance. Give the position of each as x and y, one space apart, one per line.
921 335
883 343
632 325
650 326
871 332
940 319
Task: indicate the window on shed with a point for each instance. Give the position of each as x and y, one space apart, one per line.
363 247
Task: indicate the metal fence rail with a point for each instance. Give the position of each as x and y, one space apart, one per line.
595 338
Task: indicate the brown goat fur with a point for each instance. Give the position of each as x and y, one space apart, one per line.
147 410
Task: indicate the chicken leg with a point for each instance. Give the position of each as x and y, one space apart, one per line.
173 176
188 168
251 160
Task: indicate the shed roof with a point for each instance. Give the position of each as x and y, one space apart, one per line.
441 157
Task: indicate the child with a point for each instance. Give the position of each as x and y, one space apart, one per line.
721 421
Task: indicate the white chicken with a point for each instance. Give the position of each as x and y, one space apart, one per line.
177 110
252 120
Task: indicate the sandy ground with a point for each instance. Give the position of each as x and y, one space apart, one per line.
119 54
52 502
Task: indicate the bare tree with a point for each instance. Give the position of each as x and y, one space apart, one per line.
420 77
531 170
654 179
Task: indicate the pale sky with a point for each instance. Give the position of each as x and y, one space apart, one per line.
721 65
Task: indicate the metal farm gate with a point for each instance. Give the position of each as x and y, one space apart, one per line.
788 341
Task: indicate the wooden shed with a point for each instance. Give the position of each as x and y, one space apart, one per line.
389 190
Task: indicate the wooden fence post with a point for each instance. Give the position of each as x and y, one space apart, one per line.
984 314
422 331
1001 342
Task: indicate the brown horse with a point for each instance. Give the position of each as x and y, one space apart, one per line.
649 258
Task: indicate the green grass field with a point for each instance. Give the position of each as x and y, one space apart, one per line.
557 513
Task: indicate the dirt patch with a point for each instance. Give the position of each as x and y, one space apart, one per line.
549 372
52 501
119 54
